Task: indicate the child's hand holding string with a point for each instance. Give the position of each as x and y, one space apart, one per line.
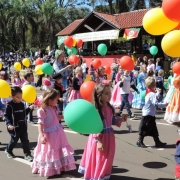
10 127
100 146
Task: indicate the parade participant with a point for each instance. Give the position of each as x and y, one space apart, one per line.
147 125
15 119
59 87
177 159
4 76
172 114
53 154
92 71
16 79
98 156
48 82
125 84
138 101
160 84
76 84
29 80
119 74
100 76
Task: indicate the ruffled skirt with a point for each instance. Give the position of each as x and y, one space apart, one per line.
53 157
173 109
75 94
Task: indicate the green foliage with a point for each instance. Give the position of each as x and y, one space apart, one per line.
26 24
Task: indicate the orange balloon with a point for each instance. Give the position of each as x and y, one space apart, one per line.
86 90
73 59
127 63
176 68
107 69
79 43
96 63
38 61
68 41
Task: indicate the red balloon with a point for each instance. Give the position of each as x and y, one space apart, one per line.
79 43
86 90
73 59
171 9
127 63
176 68
96 63
178 27
39 61
107 69
68 41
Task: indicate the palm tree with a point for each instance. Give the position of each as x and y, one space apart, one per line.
20 16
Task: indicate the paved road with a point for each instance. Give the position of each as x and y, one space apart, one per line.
130 163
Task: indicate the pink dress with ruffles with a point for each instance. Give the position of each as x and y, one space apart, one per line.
95 164
56 155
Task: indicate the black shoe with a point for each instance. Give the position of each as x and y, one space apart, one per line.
9 154
158 143
140 142
28 158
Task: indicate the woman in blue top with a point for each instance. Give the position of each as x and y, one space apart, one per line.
60 66
138 101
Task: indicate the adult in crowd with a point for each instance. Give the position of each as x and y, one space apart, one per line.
84 69
92 71
151 66
114 67
145 60
159 65
60 66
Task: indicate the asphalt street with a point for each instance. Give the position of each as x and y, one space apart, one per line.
130 163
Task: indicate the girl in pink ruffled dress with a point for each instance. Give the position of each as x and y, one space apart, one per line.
98 156
53 154
17 80
116 98
76 84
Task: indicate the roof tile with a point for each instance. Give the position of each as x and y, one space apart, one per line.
70 28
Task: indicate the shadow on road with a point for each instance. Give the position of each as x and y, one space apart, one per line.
154 165
118 170
124 132
115 177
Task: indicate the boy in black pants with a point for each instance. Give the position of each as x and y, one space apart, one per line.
15 119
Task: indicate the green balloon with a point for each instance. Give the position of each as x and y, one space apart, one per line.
72 51
102 49
143 94
81 116
66 47
47 68
153 50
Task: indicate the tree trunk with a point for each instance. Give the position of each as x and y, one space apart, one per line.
3 38
24 38
110 6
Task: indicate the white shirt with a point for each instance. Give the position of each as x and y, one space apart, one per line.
125 89
84 66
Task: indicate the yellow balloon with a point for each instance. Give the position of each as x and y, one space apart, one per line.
171 43
26 62
29 94
156 23
5 89
0 65
17 66
74 42
38 70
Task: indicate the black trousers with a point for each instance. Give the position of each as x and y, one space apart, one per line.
23 136
148 126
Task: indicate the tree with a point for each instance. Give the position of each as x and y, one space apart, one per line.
155 3
122 6
139 4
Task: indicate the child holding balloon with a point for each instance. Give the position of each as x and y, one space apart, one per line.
53 154
98 156
15 119
76 84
